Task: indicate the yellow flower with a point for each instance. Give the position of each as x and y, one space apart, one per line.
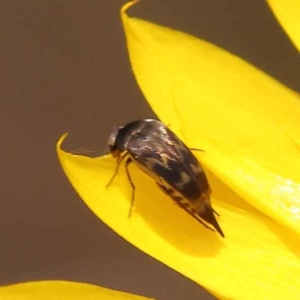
61 290
249 126
288 13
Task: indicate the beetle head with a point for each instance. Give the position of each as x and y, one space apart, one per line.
120 136
113 142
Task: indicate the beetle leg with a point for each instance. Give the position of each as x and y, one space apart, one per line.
196 149
128 161
169 192
116 170
216 213
164 189
178 201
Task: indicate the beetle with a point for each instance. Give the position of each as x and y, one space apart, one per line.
158 152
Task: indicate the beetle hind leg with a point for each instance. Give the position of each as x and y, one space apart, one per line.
196 149
216 213
179 202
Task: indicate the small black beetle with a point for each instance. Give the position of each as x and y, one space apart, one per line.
162 155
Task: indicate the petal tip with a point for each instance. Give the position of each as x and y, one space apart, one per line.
126 6
60 141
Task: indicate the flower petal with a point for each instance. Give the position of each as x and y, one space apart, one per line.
288 14
258 259
246 122
61 290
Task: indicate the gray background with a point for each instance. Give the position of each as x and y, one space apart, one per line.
64 68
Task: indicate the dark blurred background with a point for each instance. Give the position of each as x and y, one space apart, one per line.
64 68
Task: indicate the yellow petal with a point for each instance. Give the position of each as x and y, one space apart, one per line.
61 290
246 122
258 259
288 14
